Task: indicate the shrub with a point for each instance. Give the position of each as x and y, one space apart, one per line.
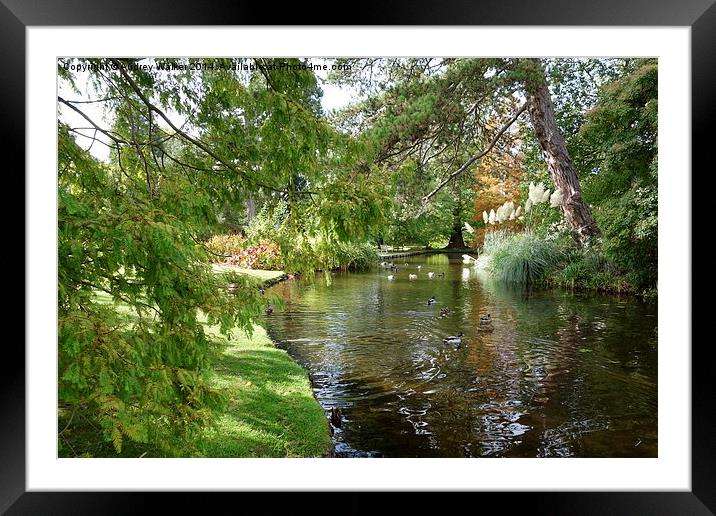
495 240
226 245
356 256
590 269
344 255
263 256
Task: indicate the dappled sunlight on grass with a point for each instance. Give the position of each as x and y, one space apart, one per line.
256 273
271 411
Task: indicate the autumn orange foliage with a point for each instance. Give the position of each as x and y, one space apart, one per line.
497 181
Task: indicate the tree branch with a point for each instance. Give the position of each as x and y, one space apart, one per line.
114 138
477 156
184 135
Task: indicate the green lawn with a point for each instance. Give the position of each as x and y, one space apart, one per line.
266 276
271 410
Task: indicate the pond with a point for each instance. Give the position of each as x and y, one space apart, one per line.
561 375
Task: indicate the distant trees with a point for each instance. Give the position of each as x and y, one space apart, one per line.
446 115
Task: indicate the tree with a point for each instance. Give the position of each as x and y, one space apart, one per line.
618 145
129 230
554 149
430 116
464 109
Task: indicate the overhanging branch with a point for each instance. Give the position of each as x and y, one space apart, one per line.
477 156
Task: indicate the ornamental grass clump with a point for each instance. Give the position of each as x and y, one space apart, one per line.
524 258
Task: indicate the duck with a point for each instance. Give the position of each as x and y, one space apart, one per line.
431 301
454 339
431 275
391 277
444 312
262 291
485 324
420 267
442 274
412 276
336 417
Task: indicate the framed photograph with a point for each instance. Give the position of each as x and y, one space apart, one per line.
322 257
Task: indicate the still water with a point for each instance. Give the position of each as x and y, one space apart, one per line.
562 374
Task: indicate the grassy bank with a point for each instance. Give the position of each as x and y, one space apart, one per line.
267 277
270 410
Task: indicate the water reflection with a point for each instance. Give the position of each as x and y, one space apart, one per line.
562 374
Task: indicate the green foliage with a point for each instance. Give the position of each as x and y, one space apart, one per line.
590 270
346 255
308 248
495 240
552 260
621 137
608 112
137 372
353 207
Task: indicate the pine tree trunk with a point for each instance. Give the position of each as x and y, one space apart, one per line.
456 240
576 211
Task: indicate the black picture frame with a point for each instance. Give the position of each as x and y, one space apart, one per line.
17 15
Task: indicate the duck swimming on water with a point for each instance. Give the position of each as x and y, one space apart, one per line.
336 417
486 324
454 339
431 301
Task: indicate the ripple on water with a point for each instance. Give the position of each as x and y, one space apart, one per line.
561 375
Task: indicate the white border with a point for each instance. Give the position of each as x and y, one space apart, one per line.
671 471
